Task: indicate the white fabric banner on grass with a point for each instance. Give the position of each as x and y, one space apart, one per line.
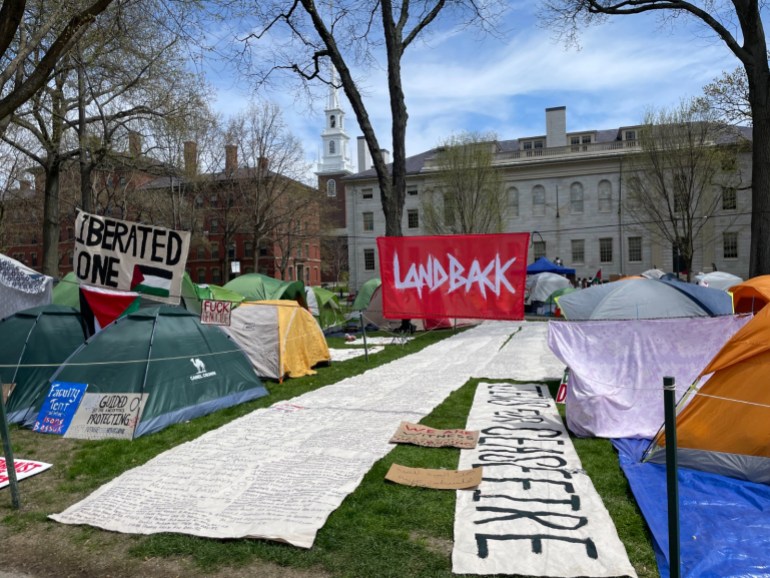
536 512
279 472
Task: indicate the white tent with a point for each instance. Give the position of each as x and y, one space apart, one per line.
540 286
718 280
21 287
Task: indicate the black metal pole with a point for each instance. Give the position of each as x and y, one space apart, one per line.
669 401
363 333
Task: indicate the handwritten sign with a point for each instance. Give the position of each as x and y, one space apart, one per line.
107 415
536 512
24 469
216 312
422 435
434 479
59 407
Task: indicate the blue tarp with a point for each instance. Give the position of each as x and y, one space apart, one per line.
724 522
543 265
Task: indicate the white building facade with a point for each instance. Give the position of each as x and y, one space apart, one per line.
567 190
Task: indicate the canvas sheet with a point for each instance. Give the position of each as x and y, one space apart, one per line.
525 356
345 354
536 512
229 483
617 368
724 523
21 287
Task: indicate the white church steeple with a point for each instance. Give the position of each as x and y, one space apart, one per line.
336 155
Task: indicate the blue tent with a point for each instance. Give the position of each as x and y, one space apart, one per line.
543 265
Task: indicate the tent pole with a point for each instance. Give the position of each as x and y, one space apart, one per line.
669 398
146 369
8 451
363 332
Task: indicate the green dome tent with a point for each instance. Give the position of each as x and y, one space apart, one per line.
35 341
184 368
67 291
193 294
323 304
257 287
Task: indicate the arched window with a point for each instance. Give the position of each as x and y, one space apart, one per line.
331 188
576 198
605 196
513 201
538 200
332 147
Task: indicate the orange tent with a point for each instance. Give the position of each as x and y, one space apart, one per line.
751 295
725 427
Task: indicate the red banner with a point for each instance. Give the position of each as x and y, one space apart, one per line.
471 276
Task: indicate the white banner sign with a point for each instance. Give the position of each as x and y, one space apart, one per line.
536 512
107 415
130 256
24 469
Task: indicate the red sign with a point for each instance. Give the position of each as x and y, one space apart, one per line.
471 276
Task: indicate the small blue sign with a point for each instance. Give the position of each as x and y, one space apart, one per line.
59 407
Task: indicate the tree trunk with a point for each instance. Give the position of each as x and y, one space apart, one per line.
759 263
51 220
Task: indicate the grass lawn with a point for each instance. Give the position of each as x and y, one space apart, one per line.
380 530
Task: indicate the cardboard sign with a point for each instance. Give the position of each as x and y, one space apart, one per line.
24 469
7 390
130 256
435 479
422 435
59 407
215 312
107 415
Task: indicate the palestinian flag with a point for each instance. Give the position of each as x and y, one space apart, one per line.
100 307
151 280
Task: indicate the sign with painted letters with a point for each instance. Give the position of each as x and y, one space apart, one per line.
214 312
23 468
130 256
59 407
536 511
470 276
107 415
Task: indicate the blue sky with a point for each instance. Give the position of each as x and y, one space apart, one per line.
457 81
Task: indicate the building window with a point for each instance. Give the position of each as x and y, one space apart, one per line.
248 250
367 194
368 259
215 250
605 197
729 199
199 201
332 121
577 140
578 251
576 198
538 249
214 225
33 259
538 200
332 147
412 219
368 221
634 249
331 188
680 194
201 275
605 250
201 253
449 209
412 192
216 276
730 244
213 200
263 250
513 201
629 135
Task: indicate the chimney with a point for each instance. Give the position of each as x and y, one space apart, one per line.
231 158
134 143
190 158
364 156
556 126
385 156
263 165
